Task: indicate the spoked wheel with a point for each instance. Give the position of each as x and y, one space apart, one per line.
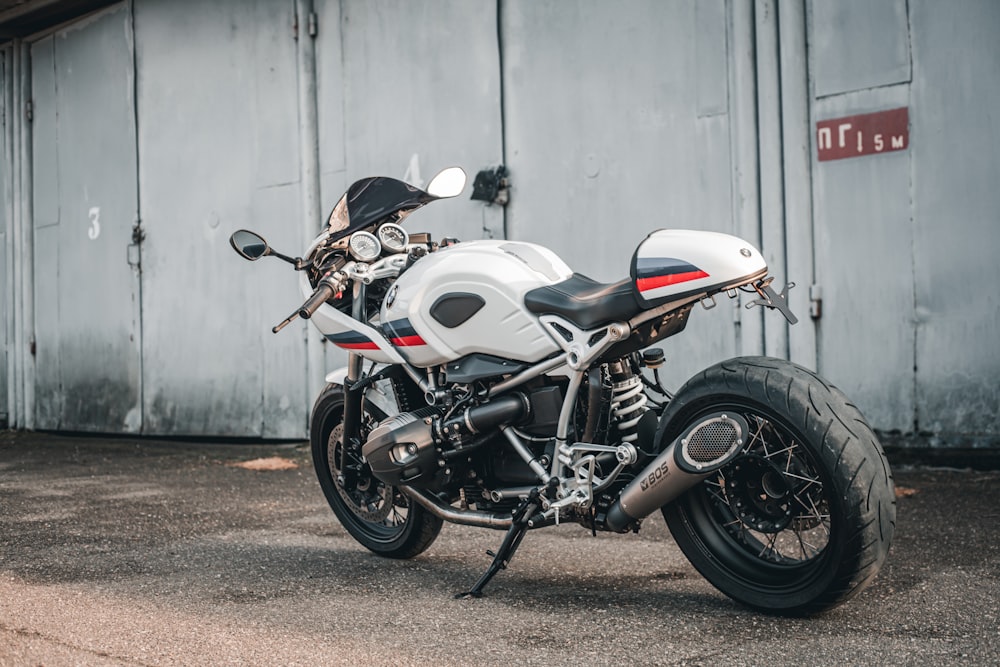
378 516
802 519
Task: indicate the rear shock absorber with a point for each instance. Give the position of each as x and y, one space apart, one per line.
628 399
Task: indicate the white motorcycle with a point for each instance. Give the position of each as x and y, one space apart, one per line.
505 391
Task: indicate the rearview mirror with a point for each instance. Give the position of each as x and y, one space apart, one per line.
249 245
448 183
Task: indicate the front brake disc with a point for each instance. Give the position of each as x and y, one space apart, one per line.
369 499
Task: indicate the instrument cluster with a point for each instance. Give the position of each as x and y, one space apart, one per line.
367 247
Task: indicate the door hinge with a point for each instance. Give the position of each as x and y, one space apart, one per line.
134 248
312 25
138 233
815 302
29 110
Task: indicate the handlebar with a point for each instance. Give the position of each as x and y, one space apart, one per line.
339 275
324 291
331 284
341 270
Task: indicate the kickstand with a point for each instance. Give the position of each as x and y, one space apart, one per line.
516 532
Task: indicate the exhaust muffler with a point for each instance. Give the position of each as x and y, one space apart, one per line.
699 451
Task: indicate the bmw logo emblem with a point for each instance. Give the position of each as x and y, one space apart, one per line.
743 251
390 298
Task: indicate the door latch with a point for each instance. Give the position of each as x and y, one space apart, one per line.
815 302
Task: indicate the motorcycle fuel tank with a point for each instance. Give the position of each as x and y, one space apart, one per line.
469 297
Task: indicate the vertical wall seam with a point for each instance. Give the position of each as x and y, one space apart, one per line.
915 391
810 99
503 108
753 161
758 221
138 219
780 108
33 341
309 180
770 174
749 336
344 92
9 204
758 230
796 133
27 240
810 123
17 314
781 152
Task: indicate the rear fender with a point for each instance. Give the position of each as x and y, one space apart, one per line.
672 264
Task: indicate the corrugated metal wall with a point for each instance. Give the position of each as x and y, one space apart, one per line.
614 120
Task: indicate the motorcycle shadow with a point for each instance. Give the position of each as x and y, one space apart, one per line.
551 572
556 572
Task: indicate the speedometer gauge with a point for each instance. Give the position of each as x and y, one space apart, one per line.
394 238
364 246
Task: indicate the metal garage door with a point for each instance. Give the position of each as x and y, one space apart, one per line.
88 340
407 89
218 151
213 153
618 123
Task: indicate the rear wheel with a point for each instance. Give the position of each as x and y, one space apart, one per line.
378 516
802 519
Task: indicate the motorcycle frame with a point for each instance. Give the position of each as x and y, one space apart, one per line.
578 356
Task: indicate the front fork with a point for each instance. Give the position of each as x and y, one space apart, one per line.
353 397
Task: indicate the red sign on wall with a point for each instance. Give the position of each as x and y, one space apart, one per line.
853 136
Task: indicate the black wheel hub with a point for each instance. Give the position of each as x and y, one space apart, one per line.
759 494
365 497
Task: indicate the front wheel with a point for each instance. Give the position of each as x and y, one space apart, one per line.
378 516
802 519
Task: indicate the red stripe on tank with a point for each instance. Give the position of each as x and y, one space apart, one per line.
357 346
408 341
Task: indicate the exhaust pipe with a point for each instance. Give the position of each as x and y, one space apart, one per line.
462 517
697 453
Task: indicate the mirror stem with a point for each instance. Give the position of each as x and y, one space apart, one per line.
297 261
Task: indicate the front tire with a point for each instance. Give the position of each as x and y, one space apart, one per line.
801 521
378 516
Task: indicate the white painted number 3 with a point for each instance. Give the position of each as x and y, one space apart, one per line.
95 223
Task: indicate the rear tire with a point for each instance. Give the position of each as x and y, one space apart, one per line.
801 521
378 516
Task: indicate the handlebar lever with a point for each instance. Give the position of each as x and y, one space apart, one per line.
285 322
324 291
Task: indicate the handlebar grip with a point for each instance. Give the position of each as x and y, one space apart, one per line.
323 292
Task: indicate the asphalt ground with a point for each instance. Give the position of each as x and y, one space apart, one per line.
124 552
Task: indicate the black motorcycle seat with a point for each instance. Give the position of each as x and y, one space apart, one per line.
585 302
